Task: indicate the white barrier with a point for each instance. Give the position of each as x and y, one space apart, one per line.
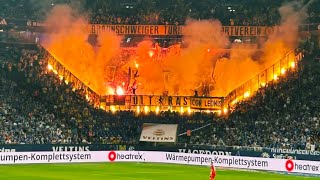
282 165
52 157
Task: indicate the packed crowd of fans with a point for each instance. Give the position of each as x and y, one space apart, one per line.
229 12
285 114
176 12
37 107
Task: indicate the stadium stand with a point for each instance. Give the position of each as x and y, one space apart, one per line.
232 12
36 107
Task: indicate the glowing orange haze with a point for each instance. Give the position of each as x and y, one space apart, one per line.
178 74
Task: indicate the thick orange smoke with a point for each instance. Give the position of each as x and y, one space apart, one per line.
180 71
240 67
183 70
68 42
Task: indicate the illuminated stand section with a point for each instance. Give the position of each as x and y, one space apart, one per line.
182 104
271 74
157 103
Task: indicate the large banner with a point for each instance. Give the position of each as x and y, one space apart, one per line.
225 151
159 132
199 103
248 30
205 103
65 147
238 162
152 30
169 30
149 30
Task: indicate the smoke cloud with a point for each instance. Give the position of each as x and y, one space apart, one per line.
68 42
180 71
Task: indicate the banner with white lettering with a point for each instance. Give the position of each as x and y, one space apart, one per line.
228 151
209 103
3 22
238 162
159 132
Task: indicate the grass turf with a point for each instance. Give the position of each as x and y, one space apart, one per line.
129 171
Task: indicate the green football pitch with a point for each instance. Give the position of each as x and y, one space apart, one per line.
128 171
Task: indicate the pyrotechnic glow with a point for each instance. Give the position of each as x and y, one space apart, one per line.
283 71
181 110
87 97
120 91
225 110
219 112
151 53
246 94
110 91
136 65
186 66
189 110
263 84
55 72
275 77
50 68
112 109
157 110
60 77
102 107
66 81
234 102
138 109
146 109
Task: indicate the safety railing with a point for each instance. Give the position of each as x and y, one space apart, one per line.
246 90
65 75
